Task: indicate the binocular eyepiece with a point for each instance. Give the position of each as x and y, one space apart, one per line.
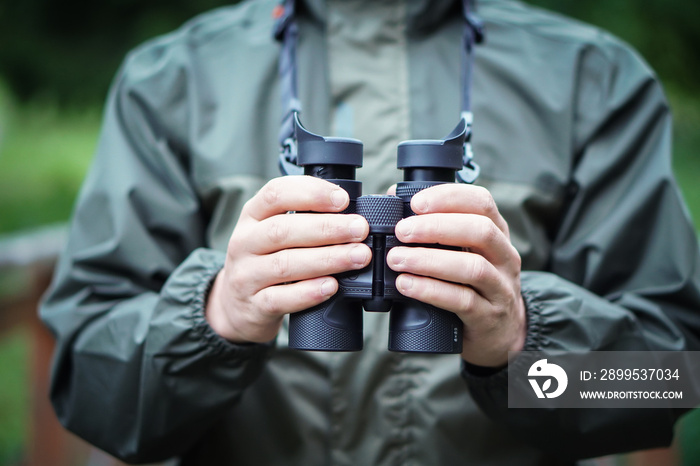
414 326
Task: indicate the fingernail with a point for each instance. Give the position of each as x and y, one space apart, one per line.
405 227
419 203
359 255
396 257
404 282
358 228
327 288
339 197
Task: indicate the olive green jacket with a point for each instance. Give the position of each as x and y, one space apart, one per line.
572 133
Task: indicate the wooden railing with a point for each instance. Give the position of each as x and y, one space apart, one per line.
26 267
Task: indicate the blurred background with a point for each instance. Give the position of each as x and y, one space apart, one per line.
56 62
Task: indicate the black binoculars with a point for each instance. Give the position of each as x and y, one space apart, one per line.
414 326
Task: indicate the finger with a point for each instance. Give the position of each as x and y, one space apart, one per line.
392 190
452 297
291 265
273 303
276 301
305 231
295 193
458 198
452 266
474 232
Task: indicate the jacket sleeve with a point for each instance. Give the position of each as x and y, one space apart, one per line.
624 270
137 370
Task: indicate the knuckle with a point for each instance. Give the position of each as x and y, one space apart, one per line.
329 259
479 269
329 227
435 228
246 210
240 283
426 230
486 202
441 230
516 260
234 278
281 265
277 232
267 305
425 289
270 193
500 313
490 206
465 300
487 230
493 320
419 260
490 323
235 245
426 262
506 229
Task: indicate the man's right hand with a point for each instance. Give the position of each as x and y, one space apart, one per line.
277 264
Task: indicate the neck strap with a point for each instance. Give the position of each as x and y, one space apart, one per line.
287 32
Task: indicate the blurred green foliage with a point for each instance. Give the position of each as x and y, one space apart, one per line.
665 32
14 395
686 148
44 155
71 49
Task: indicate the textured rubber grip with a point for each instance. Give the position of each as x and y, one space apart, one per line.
334 326
420 328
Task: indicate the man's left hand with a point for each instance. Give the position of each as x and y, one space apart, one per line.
480 282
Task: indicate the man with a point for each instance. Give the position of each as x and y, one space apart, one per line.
169 302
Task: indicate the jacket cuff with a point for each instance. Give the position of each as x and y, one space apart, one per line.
200 269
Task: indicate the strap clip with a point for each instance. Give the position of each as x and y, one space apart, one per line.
288 158
470 170
477 26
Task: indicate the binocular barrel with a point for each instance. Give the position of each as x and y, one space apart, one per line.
336 325
415 326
